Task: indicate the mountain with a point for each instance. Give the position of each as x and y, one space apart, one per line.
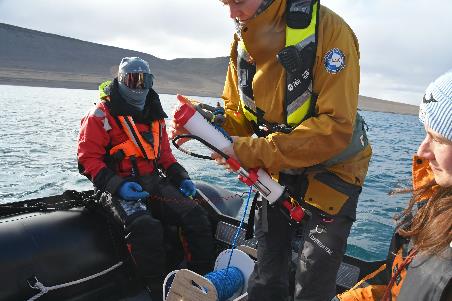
34 58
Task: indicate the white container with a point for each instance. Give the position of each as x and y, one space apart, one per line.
197 125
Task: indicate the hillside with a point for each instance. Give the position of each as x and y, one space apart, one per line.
34 58
30 57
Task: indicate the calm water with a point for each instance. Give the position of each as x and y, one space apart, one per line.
39 129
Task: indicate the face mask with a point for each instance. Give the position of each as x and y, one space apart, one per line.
134 97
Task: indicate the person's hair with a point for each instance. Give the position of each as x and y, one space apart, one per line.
431 225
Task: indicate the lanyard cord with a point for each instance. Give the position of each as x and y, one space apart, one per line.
406 262
237 233
174 140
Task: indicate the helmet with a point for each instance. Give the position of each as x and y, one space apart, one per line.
134 80
135 73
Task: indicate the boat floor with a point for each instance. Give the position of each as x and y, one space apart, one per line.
143 295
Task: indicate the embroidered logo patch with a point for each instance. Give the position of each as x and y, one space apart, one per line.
334 61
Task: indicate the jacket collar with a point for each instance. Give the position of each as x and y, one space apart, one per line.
264 35
423 175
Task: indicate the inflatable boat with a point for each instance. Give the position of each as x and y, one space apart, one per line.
64 248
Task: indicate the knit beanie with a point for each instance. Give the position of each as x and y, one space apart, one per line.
435 110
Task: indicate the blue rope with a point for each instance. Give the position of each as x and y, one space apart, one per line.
227 282
236 236
230 280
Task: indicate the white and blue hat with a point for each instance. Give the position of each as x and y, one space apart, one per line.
435 110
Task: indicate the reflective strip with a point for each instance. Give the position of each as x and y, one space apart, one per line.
107 125
293 36
98 113
243 78
300 113
299 108
305 42
248 102
248 107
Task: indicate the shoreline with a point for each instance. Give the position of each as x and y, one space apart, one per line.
34 58
91 82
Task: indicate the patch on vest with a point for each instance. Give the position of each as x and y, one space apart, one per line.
334 61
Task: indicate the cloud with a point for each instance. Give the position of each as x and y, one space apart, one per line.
404 45
166 29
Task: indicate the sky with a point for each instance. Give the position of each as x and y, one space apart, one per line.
404 45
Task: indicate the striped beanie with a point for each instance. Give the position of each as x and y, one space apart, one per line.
435 110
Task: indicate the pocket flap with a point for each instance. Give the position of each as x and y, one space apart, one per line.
324 197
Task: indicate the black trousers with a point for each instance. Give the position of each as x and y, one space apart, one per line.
170 207
144 232
320 254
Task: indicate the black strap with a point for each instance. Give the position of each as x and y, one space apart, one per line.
157 167
135 171
135 135
298 18
250 224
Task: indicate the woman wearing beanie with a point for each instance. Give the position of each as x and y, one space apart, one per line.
419 263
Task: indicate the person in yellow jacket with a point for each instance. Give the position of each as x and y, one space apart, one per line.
419 263
293 80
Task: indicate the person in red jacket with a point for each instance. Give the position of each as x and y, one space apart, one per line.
123 148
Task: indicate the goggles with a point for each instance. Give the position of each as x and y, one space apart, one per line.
137 80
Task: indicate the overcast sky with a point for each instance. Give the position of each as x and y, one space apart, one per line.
404 44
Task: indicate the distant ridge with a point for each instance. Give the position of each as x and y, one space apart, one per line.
34 58
30 57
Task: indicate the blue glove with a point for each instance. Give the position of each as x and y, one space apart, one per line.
131 191
188 188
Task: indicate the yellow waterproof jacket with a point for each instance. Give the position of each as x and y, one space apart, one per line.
318 138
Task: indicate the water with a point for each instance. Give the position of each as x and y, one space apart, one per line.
38 148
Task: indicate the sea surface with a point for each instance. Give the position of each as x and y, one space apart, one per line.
39 128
